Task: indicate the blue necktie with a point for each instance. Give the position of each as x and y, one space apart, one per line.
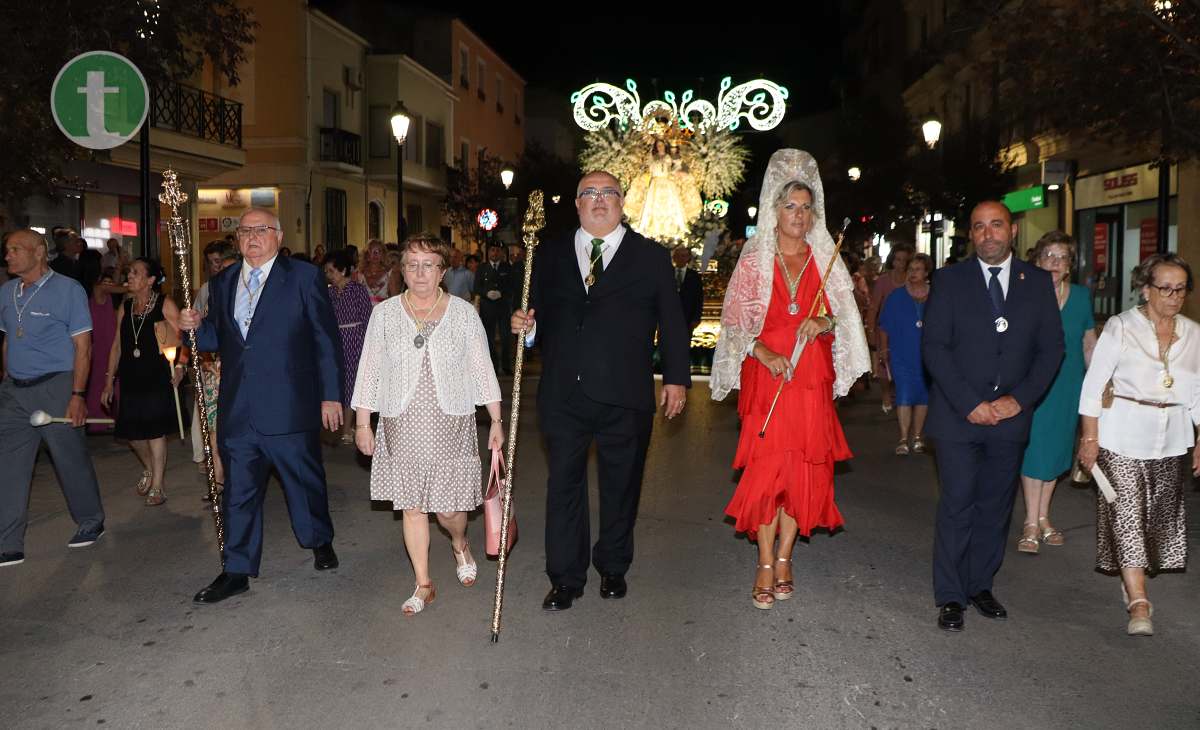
244 309
996 291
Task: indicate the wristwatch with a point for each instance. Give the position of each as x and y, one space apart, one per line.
80 393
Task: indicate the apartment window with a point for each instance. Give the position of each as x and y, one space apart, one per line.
464 155
499 94
375 219
335 219
412 216
464 67
330 108
435 145
380 140
481 78
412 145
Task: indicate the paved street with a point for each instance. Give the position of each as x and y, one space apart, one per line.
109 635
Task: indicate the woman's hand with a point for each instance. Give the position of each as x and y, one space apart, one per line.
364 439
496 435
176 376
106 396
773 361
1196 460
811 327
1088 452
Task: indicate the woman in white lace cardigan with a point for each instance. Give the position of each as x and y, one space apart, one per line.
424 368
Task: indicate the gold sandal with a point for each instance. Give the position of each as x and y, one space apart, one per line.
143 485
1029 539
155 497
783 589
1051 535
763 597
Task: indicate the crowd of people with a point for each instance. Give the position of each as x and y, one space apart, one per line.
993 364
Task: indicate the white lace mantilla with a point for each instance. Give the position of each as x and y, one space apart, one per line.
390 365
749 292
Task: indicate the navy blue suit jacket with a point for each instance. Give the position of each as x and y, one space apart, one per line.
969 362
291 358
602 339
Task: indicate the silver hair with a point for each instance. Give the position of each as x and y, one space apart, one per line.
786 191
589 173
264 211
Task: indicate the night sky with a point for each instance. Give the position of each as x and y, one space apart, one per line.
662 55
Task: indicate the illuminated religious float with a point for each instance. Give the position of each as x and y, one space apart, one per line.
679 158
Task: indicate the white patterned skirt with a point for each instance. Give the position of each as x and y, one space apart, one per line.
426 460
1146 527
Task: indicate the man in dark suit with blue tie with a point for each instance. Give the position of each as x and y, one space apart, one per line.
271 320
992 342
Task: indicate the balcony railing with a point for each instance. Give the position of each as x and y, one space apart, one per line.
338 145
196 113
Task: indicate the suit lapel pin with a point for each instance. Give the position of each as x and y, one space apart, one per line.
1021 276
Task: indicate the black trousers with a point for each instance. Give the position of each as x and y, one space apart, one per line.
978 484
622 436
496 317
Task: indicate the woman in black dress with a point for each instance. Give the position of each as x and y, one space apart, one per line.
146 322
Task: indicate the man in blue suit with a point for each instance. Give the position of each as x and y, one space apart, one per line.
993 342
271 320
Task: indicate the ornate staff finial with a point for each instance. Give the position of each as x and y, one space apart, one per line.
535 218
172 193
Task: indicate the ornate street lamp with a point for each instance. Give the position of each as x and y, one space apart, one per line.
752 210
506 177
400 122
854 173
931 130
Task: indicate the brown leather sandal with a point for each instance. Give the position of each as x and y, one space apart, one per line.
763 597
783 588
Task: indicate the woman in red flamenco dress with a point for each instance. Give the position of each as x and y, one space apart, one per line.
786 487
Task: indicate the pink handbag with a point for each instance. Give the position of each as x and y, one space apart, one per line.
493 509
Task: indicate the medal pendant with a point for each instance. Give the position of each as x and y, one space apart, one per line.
1168 381
793 309
589 280
1001 324
20 332
137 352
419 341
920 324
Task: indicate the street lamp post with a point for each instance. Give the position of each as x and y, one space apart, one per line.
931 130
400 123
752 211
854 173
506 177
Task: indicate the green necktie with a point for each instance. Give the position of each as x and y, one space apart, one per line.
597 259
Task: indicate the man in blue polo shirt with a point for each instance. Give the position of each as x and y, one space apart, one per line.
47 355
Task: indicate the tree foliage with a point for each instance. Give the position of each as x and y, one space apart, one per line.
169 40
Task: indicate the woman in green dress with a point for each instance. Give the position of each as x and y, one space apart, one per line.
1052 436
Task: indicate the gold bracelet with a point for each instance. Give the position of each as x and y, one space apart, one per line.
362 425
1087 440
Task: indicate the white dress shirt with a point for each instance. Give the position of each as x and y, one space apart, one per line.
1127 352
244 279
583 249
1005 270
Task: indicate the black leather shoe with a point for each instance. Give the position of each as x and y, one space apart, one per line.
950 617
613 586
986 604
324 558
225 586
560 597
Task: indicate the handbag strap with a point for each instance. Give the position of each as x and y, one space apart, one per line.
495 478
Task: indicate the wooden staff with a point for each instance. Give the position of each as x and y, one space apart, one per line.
535 220
811 311
181 243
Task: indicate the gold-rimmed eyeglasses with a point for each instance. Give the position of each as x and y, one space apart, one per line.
254 231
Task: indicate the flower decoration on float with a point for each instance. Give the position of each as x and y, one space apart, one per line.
488 219
672 153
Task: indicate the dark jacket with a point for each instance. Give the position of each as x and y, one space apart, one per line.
603 339
969 362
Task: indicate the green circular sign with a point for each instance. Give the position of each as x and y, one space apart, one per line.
99 100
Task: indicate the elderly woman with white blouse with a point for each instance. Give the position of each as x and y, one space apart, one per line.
424 368
1140 406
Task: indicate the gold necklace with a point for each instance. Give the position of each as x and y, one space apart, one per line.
137 327
1164 353
590 279
792 286
419 340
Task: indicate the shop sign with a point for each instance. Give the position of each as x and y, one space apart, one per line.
1100 248
1027 199
1127 185
208 224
